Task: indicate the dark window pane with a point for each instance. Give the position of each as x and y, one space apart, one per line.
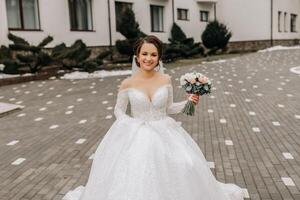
157 18
204 15
80 14
30 14
293 22
279 19
13 14
182 14
284 22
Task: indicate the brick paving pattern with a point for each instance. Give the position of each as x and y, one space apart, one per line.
248 128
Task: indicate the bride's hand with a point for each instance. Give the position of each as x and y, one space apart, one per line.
194 98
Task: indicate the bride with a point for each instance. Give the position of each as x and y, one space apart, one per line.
148 155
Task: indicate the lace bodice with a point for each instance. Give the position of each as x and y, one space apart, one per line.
142 107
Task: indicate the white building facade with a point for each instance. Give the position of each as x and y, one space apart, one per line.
265 22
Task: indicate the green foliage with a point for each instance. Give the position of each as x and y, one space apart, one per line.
77 56
17 40
177 34
28 55
45 41
11 67
129 28
57 50
216 36
180 46
5 53
124 47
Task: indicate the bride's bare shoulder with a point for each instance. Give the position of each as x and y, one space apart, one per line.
125 84
166 78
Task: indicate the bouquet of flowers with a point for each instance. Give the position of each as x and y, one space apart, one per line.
194 83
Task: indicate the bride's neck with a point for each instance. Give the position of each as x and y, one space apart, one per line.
147 74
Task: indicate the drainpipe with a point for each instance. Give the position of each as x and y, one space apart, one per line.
215 10
173 17
271 39
109 28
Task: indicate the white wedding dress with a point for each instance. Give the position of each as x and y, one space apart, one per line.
149 156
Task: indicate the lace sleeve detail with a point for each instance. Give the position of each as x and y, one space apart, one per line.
121 104
174 108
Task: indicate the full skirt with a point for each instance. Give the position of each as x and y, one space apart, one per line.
151 160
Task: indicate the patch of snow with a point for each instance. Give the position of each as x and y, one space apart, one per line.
215 61
96 74
295 70
4 76
5 107
279 47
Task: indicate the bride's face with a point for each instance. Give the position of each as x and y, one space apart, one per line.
148 57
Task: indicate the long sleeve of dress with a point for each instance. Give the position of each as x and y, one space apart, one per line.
174 108
121 105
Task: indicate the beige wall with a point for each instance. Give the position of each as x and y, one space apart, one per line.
291 7
247 19
54 20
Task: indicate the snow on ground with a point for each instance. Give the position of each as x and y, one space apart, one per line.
5 107
96 74
215 61
295 70
3 76
276 48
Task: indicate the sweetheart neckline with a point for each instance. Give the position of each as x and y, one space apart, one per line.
149 98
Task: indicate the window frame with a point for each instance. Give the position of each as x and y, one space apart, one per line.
70 18
151 18
206 12
22 18
180 16
121 2
293 27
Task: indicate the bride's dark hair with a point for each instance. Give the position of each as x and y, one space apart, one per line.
148 39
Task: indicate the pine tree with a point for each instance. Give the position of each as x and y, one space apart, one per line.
129 28
180 45
77 56
31 56
216 36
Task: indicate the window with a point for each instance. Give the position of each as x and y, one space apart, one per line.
182 14
157 19
284 22
80 15
204 16
23 14
279 18
293 22
120 7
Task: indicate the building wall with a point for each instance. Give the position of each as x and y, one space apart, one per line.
291 7
249 20
54 20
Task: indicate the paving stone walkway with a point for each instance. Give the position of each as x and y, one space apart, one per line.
248 129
